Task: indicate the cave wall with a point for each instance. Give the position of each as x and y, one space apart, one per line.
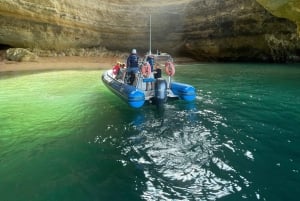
238 31
117 25
289 9
210 30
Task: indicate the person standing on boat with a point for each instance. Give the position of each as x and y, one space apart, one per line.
147 74
150 60
133 66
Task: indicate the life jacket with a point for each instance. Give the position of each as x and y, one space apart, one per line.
116 69
146 69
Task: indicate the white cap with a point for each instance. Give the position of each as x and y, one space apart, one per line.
133 51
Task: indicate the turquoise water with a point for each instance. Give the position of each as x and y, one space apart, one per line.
65 136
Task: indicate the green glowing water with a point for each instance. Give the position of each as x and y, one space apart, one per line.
65 136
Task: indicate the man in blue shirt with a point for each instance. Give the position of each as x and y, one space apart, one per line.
133 66
133 60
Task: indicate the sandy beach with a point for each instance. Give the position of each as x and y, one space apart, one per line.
67 62
59 63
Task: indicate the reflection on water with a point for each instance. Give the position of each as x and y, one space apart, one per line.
178 154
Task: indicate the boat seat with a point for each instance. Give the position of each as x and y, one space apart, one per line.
148 79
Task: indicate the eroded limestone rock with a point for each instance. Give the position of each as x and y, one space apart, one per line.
289 9
20 54
210 30
238 31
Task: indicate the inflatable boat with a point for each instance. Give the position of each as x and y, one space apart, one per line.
146 88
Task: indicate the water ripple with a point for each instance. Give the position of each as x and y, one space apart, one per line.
178 156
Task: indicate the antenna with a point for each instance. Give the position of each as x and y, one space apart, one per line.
150 37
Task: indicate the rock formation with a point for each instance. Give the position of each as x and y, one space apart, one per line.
238 31
20 54
284 8
211 30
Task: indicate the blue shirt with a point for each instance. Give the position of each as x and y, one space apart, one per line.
132 61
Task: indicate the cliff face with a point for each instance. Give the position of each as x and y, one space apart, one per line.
203 29
238 30
284 8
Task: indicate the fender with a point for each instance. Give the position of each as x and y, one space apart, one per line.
170 68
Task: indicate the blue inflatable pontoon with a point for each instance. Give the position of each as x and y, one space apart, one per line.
146 88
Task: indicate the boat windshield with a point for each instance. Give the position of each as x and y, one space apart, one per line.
162 58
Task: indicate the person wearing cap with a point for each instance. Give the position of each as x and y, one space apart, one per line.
133 66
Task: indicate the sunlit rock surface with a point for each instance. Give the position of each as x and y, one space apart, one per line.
210 30
20 54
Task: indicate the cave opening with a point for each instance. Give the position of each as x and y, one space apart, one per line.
5 47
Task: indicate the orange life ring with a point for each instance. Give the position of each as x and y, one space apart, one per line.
146 69
170 68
